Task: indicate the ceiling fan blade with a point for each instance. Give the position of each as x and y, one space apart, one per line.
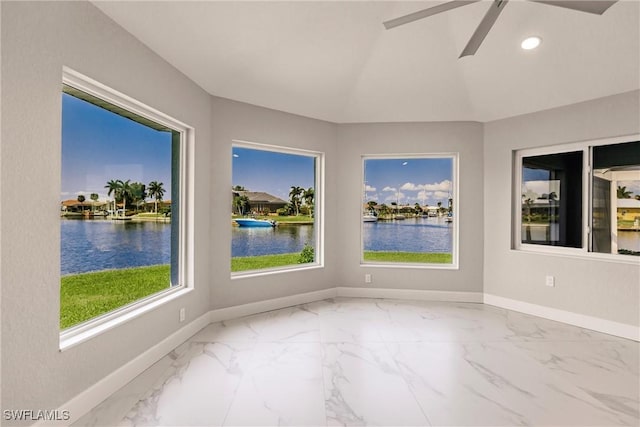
597 7
392 23
483 29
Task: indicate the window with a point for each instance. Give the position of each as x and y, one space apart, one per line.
409 210
584 196
276 208
122 210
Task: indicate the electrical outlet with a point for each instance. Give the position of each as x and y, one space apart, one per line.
183 314
367 278
550 281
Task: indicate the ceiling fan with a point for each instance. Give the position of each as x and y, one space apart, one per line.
590 6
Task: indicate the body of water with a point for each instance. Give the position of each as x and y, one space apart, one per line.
283 239
409 235
91 245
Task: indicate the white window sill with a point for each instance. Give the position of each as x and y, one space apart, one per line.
279 270
78 334
579 254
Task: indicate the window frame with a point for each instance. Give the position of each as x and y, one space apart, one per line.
318 209
455 250
587 194
86 330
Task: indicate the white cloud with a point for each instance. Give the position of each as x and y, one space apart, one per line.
369 188
395 197
436 186
389 189
410 186
538 188
373 197
441 195
424 195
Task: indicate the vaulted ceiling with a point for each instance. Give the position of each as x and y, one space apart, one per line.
333 60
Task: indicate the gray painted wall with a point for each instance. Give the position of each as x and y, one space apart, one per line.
37 40
231 120
607 290
465 138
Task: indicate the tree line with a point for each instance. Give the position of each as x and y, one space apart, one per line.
131 193
301 200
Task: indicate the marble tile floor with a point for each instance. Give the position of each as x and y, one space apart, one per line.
378 362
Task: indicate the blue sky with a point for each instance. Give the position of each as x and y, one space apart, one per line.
98 146
271 172
410 180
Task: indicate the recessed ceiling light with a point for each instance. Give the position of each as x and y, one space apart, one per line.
531 43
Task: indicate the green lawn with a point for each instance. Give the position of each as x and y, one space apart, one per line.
409 257
88 295
263 261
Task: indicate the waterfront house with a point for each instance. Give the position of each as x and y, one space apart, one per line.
261 202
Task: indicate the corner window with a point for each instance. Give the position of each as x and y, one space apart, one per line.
122 203
275 208
583 196
409 210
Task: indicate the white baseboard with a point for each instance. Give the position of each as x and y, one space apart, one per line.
588 322
81 404
270 304
410 294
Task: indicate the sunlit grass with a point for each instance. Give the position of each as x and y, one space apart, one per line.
260 262
88 295
408 257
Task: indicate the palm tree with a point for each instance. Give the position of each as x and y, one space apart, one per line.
240 203
81 198
417 208
308 196
94 198
623 193
156 191
112 186
295 194
123 191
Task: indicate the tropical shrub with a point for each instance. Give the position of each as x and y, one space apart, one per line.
307 255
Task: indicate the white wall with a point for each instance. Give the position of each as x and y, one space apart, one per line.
465 138
38 38
231 120
601 289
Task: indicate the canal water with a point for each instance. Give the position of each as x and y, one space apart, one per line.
409 235
90 245
101 244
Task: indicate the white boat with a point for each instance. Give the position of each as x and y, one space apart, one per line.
252 222
369 218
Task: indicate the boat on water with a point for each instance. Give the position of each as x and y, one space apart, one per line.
449 217
370 216
252 222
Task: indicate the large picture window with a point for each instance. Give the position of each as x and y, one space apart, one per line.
409 210
121 205
584 196
275 208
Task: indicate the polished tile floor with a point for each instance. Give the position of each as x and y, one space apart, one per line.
383 362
